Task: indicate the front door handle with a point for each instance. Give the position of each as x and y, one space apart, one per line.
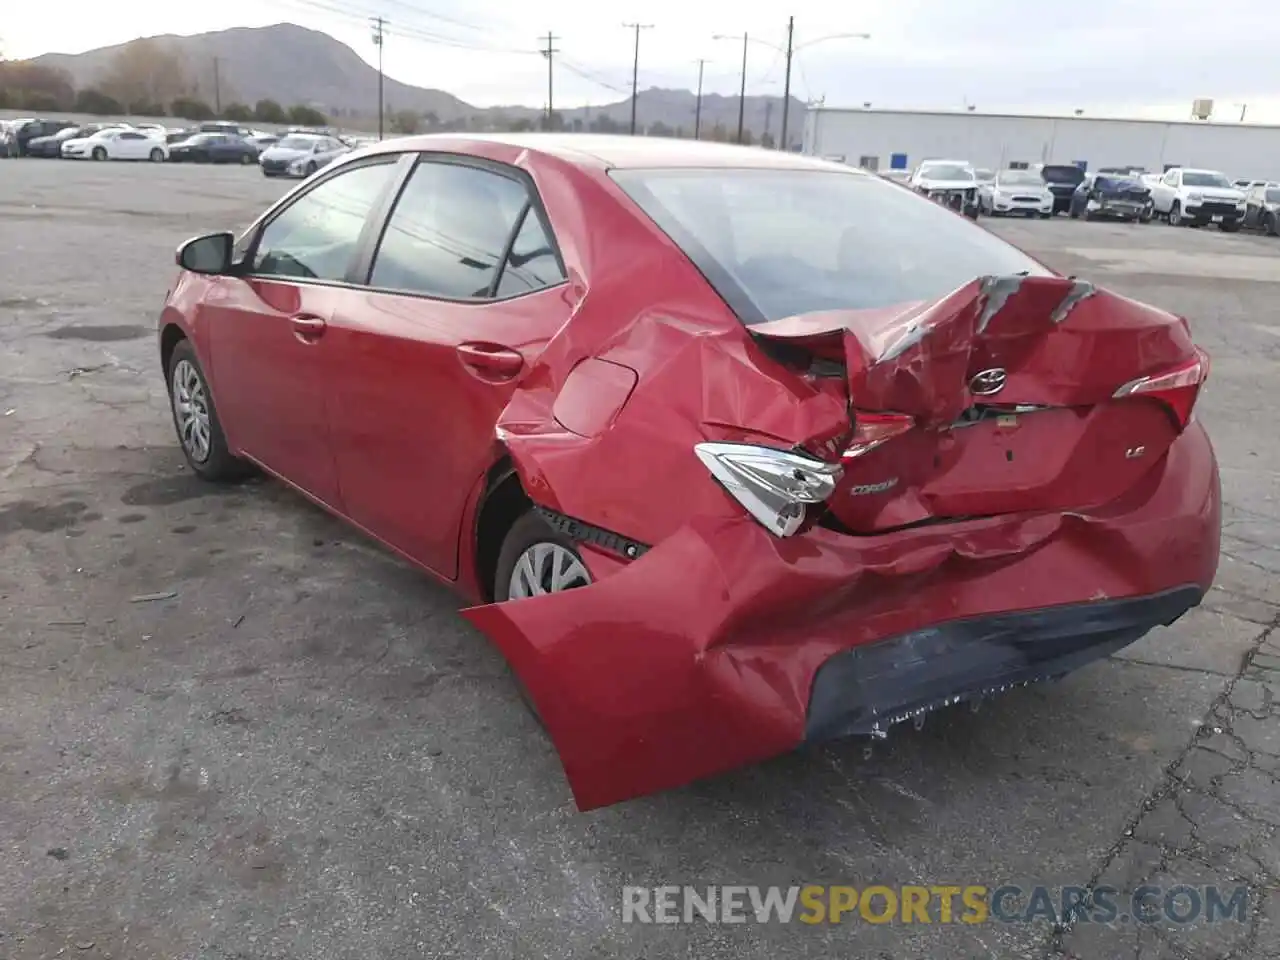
308 328
490 361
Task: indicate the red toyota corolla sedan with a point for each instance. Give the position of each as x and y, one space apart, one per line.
734 450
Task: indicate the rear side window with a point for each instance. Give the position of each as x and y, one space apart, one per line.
778 243
532 263
448 232
316 236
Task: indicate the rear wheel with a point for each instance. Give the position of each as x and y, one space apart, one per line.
195 417
1175 214
1229 226
536 560
311 168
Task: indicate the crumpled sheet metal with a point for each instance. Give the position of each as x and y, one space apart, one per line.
699 657
695 382
1062 342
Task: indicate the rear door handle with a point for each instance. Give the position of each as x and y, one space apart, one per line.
490 361
307 327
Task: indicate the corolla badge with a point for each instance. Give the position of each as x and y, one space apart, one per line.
987 382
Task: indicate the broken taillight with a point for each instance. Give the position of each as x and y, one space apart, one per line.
872 429
1177 388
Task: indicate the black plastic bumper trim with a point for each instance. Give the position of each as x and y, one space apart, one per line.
581 532
865 690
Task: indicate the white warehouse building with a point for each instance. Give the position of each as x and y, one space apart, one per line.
891 140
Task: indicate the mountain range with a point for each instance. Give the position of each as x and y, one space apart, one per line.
296 65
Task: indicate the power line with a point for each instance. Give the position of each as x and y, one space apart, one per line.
635 70
586 74
549 51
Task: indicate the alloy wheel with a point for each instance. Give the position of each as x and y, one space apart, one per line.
547 567
191 411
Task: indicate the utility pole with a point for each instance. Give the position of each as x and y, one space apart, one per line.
768 115
697 110
786 84
379 29
635 69
217 89
742 93
549 52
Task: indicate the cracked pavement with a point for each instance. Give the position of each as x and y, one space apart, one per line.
232 728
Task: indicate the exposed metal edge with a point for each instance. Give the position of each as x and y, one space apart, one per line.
581 532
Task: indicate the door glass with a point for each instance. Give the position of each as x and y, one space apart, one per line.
532 263
448 231
316 236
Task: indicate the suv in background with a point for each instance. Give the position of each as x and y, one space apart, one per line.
1197 197
28 130
1062 180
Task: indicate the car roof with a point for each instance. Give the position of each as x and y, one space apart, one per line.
621 152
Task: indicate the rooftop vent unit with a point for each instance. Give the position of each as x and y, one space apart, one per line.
1201 109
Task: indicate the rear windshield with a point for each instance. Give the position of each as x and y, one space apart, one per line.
1117 183
297 143
1062 174
778 243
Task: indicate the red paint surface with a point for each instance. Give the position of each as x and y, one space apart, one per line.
699 656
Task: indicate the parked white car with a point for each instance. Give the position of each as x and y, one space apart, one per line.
1017 193
1197 197
953 183
118 144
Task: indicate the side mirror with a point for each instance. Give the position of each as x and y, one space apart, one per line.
210 254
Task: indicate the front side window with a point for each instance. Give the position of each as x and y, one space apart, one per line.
779 243
316 236
448 231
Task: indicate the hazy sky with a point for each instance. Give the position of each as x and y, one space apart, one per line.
1141 57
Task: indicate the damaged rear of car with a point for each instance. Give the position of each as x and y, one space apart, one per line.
832 458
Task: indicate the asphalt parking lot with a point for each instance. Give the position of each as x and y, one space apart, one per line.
232 730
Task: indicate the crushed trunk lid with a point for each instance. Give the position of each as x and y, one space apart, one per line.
1011 394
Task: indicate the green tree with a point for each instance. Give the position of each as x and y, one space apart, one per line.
405 122
305 116
95 102
268 111
659 129
237 113
767 141
190 108
521 125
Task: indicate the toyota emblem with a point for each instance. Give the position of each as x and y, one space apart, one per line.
987 382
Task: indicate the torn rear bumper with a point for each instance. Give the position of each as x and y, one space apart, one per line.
868 689
706 653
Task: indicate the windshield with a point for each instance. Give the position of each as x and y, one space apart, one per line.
1204 178
946 171
777 243
1062 174
296 143
984 175
1019 178
71 132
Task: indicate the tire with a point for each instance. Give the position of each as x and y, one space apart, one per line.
1073 213
1147 213
245 159
1046 216
215 463
157 155
311 168
1269 225
1175 214
1232 226
99 153
528 532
